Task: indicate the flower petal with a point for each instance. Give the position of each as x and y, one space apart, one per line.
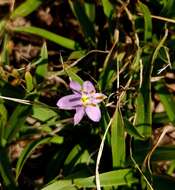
75 86
98 97
69 102
93 112
88 87
79 115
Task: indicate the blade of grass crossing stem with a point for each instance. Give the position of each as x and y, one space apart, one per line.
78 9
26 8
60 40
5 171
108 8
27 152
147 21
118 139
166 99
109 179
3 121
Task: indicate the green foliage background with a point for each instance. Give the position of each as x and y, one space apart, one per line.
126 48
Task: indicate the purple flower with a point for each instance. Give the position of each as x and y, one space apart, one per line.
84 100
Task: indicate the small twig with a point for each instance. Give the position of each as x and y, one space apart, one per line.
90 52
16 100
164 19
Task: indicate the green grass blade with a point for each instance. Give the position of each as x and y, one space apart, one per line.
6 172
90 10
16 121
42 114
5 51
118 139
26 8
42 63
78 9
109 68
29 81
167 99
108 179
2 26
112 178
60 40
61 185
74 76
28 151
3 121
168 8
132 131
147 20
108 8
104 123
143 119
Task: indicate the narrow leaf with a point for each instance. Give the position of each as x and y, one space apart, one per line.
108 8
42 113
108 179
118 139
87 26
132 130
6 172
74 76
26 8
60 185
112 178
147 20
143 117
3 122
90 11
42 63
60 40
29 81
28 151
108 68
16 121
5 51
167 100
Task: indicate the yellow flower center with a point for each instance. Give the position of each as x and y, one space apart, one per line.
84 99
